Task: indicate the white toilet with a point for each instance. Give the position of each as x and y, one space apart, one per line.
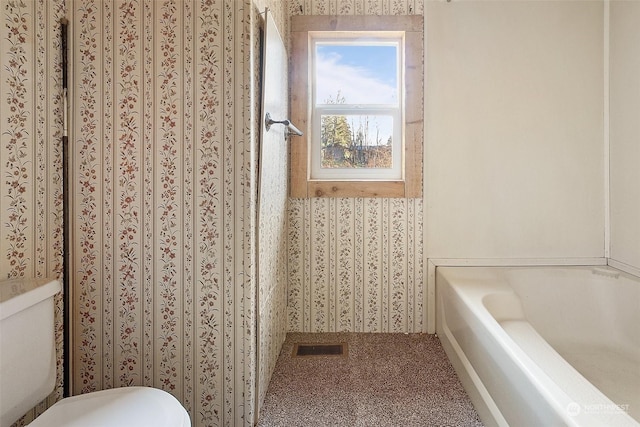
28 371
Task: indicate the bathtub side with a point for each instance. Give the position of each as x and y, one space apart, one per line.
479 395
516 391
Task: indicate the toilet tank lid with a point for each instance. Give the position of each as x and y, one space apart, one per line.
19 294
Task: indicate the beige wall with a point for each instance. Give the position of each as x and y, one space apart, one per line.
31 151
514 129
625 133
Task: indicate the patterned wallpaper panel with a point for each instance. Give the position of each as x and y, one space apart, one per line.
164 210
356 7
356 264
272 205
31 151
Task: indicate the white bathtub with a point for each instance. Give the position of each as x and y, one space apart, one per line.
544 346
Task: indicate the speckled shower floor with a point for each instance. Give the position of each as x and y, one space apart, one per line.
386 380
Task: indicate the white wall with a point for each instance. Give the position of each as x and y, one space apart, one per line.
514 131
625 132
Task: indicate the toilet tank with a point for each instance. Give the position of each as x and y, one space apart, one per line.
27 345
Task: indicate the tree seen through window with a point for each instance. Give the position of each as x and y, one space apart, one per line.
355 141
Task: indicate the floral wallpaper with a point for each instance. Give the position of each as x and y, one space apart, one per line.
31 151
165 195
356 264
356 7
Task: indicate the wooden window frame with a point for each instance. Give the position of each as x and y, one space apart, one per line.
301 186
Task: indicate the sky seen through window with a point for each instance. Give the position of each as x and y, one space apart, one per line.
364 74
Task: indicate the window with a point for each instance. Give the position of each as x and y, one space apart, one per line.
357 94
356 105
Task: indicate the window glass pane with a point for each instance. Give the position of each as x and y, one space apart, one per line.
356 141
356 73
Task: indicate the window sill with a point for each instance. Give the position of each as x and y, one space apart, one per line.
390 189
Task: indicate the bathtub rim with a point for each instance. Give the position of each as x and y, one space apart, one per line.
434 263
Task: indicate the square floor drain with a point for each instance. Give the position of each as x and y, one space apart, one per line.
301 350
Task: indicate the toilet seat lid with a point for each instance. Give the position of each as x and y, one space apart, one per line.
118 407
